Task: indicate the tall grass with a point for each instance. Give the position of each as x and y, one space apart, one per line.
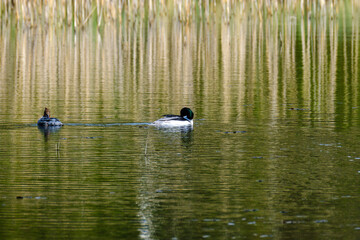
77 13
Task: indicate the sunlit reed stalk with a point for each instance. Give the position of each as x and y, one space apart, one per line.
80 12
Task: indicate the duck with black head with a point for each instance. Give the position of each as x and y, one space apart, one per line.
185 119
46 120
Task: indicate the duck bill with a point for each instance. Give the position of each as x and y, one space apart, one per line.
187 118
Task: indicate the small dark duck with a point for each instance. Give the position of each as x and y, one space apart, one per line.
46 120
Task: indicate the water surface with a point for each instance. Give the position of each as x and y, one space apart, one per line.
274 151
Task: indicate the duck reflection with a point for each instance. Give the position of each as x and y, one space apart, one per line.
164 171
48 130
175 136
187 138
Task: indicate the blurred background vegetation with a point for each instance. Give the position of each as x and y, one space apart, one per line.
77 13
139 54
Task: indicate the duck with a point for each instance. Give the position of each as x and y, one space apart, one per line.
46 120
185 119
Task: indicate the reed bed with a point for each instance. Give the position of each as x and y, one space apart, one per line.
77 13
187 64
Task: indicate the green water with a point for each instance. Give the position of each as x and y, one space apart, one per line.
274 152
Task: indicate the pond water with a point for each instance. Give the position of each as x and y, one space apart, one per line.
274 152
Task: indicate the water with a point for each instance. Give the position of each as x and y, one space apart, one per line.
274 152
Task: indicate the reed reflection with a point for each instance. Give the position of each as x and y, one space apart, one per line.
272 64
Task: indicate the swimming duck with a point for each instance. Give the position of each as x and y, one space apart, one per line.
185 119
47 121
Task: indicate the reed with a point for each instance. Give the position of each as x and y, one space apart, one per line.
77 13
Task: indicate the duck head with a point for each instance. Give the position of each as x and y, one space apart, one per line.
46 112
187 113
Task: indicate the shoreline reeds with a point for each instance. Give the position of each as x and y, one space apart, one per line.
268 63
77 13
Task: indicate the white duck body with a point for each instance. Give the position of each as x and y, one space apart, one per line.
173 121
185 119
